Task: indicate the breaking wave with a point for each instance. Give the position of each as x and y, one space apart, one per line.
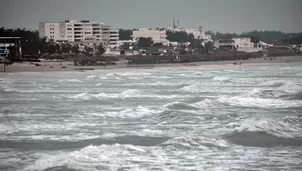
132 93
278 90
133 113
129 74
270 94
264 132
204 104
200 142
70 80
259 102
158 83
220 78
91 76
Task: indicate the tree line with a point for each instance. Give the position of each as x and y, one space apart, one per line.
291 38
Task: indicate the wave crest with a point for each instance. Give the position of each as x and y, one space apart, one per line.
220 78
195 143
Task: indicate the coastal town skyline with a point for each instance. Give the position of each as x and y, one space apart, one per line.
236 16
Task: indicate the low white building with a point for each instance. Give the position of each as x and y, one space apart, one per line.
79 31
245 44
158 36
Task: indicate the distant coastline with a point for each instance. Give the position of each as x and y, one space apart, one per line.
68 66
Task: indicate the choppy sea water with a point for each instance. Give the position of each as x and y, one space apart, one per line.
214 118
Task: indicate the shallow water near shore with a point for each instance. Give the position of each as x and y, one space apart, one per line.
224 118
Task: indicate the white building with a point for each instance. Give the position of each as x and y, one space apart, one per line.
79 31
158 36
245 44
197 33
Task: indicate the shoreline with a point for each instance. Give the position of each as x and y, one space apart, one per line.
68 66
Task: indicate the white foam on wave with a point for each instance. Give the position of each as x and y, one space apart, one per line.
160 77
91 76
276 89
132 113
158 83
194 88
299 74
258 102
221 78
277 126
132 93
103 157
70 80
274 83
196 142
204 104
129 74
48 161
109 156
82 96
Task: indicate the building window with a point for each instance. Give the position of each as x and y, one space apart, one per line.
69 28
87 32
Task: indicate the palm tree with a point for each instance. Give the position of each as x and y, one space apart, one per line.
75 50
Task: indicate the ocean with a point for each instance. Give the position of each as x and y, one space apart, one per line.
185 118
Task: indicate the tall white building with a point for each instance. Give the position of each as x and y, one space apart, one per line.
79 31
158 36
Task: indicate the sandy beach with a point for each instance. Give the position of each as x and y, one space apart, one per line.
49 66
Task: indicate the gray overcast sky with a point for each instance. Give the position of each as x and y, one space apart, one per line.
215 15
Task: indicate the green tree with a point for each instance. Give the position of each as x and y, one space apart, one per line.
209 46
51 48
125 34
100 49
66 48
195 43
125 46
75 49
158 45
145 42
88 50
58 48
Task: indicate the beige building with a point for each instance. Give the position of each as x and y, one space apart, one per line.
79 31
158 36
